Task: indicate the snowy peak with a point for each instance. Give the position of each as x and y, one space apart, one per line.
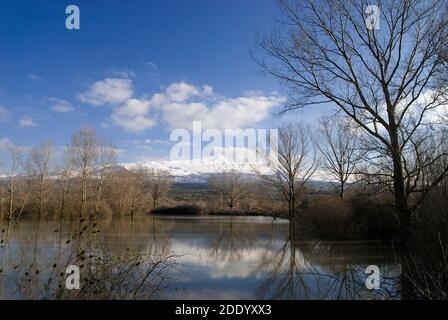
209 165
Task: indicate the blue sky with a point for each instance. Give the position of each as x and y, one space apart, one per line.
134 71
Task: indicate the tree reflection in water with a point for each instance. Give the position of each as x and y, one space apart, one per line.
231 242
110 267
307 271
229 257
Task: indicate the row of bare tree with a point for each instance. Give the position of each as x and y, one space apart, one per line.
83 180
87 182
333 147
337 150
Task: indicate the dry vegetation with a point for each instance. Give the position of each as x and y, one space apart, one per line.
85 182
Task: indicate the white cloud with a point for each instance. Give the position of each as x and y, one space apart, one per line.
183 103
153 73
123 73
27 121
133 124
59 105
108 91
179 105
4 114
156 141
152 65
435 114
133 107
5 143
182 91
133 115
34 77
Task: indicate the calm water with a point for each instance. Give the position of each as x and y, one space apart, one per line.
216 257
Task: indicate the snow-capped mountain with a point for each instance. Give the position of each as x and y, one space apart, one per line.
209 165
198 171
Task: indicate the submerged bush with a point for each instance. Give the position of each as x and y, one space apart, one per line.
334 218
373 219
327 217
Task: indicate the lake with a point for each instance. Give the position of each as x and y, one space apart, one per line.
212 257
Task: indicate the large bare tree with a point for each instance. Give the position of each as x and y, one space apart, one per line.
388 75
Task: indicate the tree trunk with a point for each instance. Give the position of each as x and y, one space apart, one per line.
155 197
154 203
83 193
98 196
64 191
291 209
402 209
41 195
11 199
341 191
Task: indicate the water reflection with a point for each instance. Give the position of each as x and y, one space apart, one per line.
231 241
35 254
212 257
315 270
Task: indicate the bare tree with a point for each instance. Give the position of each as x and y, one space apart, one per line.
105 157
137 190
38 166
119 192
294 166
388 80
66 175
230 186
159 183
340 148
83 152
11 205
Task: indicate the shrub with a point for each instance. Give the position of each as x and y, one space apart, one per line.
373 219
357 217
326 217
